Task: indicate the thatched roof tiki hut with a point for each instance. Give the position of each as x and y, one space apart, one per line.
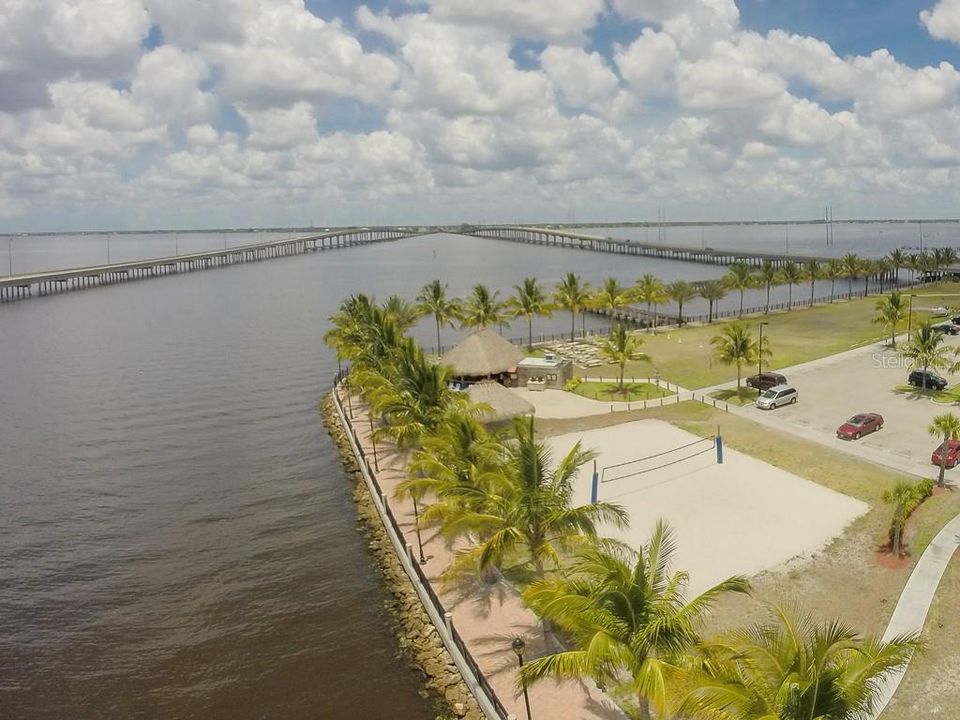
481 355
504 404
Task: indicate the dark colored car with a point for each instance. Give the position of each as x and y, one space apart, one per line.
948 328
859 425
765 381
953 454
933 381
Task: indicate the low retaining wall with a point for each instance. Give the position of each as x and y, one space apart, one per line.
431 636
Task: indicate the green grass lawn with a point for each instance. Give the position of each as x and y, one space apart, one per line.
631 391
685 356
737 396
944 397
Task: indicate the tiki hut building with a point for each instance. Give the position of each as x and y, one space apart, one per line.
504 404
482 355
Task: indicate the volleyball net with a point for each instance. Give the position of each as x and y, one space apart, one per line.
658 461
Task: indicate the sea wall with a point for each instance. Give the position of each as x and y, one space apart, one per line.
416 636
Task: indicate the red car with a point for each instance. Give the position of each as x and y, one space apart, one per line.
859 425
953 454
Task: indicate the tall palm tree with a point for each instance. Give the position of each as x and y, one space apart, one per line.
573 294
628 618
680 291
529 300
881 269
812 271
735 346
611 296
791 274
622 347
946 426
434 301
792 668
902 494
891 312
926 350
868 268
650 290
851 270
740 277
403 312
529 521
768 275
833 272
482 308
898 259
713 291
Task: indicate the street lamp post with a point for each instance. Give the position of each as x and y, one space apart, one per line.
373 440
10 255
416 526
518 646
760 353
909 315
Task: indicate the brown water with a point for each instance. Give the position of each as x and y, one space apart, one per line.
177 539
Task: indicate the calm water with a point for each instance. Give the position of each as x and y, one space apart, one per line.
177 539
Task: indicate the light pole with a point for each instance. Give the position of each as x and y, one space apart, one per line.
373 440
909 315
518 646
416 526
108 248
760 354
10 254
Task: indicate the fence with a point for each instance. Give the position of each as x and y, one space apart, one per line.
679 396
441 619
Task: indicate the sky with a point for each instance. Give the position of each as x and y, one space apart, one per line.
176 114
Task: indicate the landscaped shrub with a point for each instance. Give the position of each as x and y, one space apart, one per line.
573 383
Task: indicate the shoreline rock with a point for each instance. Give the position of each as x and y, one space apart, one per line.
417 639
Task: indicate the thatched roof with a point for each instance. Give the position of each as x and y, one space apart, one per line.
504 403
480 354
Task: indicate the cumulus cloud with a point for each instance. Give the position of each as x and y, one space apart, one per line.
509 107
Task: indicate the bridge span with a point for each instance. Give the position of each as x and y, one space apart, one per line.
25 285
559 238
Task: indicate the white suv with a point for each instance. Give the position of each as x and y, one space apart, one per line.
777 396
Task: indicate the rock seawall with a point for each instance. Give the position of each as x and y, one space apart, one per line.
416 635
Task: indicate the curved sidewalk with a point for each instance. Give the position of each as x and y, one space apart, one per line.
911 611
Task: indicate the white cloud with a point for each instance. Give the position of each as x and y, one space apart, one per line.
943 21
582 78
554 20
649 62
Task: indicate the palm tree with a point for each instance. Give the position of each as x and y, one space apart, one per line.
768 275
812 271
529 520
791 274
869 268
628 618
833 272
925 349
947 426
622 347
900 496
403 312
680 291
851 269
740 277
528 301
881 269
611 296
891 311
713 291
735 346
433 301
792 668
898 259
653 292
482 308
573 294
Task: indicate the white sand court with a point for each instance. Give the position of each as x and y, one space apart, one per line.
739 517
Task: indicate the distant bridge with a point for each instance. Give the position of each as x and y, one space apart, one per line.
710 256
18 287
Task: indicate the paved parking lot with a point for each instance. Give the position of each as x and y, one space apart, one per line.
833 389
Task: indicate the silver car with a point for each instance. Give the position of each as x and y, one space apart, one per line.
777 396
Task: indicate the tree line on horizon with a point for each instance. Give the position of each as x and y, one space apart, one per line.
621 616
530 299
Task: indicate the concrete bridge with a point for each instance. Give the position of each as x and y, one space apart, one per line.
558 238
18 287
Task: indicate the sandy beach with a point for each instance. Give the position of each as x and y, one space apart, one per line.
739 517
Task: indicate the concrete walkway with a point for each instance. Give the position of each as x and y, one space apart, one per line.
911 611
